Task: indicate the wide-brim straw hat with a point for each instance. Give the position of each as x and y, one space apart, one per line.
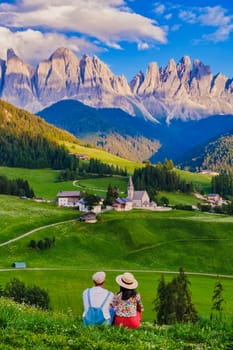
127 281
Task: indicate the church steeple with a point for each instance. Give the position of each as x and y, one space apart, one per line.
130 188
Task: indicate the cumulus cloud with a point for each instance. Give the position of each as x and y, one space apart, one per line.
159 9
143 46
215 17
108 21
221 34
33 46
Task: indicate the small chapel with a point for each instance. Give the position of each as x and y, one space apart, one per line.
135 199
140 199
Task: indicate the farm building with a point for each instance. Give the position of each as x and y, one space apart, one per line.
89 217
123 204
214 199
68 198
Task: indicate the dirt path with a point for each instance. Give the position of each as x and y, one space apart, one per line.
118 270
34 230
76 184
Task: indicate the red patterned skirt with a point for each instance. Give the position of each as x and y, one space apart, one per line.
128 322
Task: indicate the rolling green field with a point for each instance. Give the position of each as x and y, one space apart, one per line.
200 181
103 156
139 241
43 182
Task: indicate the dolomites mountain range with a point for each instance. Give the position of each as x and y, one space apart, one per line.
184 90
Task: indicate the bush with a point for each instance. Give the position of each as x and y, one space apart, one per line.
31 295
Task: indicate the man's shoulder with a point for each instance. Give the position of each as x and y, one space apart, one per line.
86 291
108 291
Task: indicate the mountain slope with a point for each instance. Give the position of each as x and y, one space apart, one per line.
217 155
28 141
108 128
132 137
182 90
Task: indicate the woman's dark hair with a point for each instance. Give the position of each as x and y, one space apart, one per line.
127 293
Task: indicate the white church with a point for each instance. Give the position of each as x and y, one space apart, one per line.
135 199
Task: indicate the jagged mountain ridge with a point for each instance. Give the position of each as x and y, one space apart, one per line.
183 90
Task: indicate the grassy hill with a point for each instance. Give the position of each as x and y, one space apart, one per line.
104 156
44 182
140 241
28 141
24 327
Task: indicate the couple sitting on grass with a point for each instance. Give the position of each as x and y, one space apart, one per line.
103 307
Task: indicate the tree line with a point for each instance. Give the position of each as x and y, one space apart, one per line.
79 168
17 187
222 184
160 178
32 152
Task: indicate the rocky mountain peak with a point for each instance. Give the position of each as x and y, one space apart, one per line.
136 82
184 90
184 69
11 55
199 69
151 80
171 67
63 53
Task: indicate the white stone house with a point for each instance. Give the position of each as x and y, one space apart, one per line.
68 198
123 204
82 206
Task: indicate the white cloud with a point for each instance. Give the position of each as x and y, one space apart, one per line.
220 35
143 46
188 16
215 17
33 46
168 16
175 27
109 21
159 9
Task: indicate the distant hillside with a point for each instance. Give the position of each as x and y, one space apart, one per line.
111 129
217 155
179 139
134 138
28 141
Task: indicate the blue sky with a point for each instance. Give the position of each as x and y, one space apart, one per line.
126 34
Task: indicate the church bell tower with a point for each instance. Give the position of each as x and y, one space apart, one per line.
130 188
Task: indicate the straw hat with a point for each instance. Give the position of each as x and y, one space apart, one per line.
127 281
99 277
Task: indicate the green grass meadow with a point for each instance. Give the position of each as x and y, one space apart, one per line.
45 185
103 156
200 181
65 288
140 241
